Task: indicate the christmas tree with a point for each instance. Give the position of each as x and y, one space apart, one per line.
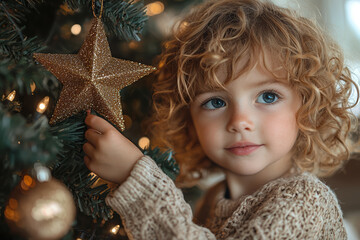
30 95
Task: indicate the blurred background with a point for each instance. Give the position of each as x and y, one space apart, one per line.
63 30
341 19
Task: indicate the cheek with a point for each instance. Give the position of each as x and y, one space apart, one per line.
282 128
207 132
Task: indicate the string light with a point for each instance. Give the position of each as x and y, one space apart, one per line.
75 29
28 180
11 210
43 104
11 96
144 142
154 8
32 87
133 45
115 229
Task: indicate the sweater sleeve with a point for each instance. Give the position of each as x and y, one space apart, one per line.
152 207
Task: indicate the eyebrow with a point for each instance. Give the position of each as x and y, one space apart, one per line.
268 81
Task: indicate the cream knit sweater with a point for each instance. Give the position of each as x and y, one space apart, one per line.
297 207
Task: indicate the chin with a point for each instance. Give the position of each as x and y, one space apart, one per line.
245 171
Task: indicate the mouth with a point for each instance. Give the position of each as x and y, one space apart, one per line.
243 148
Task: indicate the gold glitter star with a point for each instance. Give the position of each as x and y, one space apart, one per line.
92 79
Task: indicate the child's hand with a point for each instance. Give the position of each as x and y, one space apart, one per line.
108 153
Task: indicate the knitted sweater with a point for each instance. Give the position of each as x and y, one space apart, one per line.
297 207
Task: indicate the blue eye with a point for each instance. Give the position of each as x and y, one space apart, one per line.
214 103
267 97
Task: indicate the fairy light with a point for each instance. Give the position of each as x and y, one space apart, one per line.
28 180
133 45
11 96
144 142
75 29
43 104
24 186
154 8
32 87
11 212
115 229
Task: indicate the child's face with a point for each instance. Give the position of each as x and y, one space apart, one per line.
251 126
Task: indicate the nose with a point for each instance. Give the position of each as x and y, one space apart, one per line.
240 119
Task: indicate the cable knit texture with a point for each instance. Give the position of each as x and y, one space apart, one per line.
297 207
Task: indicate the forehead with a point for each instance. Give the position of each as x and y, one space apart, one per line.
264 63
267 62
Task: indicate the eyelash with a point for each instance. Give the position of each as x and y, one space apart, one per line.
210 99
278 95
272 91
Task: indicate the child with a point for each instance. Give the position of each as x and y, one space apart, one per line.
252 89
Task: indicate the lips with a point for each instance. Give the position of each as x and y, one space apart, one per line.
243 148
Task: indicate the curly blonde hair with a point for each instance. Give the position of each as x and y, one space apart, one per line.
219 33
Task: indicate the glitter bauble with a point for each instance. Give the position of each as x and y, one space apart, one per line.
40 210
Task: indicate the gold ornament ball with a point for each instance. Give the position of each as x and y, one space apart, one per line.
40 210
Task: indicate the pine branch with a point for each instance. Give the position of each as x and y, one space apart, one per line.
71 170
21 145
19 75
124 19
13 47
164 160
12 42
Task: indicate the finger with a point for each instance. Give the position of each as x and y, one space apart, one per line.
98 123
89 149
92 136
87 161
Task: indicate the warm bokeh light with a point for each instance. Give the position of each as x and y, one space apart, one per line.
43 104
154 8
127 121
66 10
11 96
144 142
75 29
134 45
32 87
24 186
115 229
11 213
13 203
28 181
